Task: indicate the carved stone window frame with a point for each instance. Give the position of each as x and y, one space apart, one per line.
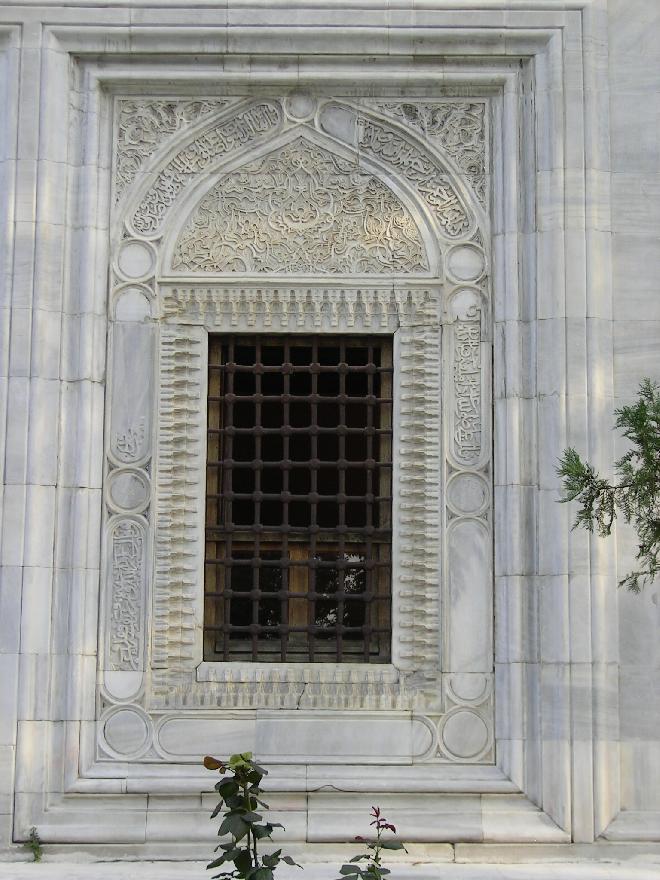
442 663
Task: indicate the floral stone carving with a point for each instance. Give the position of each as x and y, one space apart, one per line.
251 125
418 168
143 125
301 209
457 128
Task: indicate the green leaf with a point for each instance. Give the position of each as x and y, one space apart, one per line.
227 787
391 844
261 831
346 870
243 861
290 861
260 874
234 825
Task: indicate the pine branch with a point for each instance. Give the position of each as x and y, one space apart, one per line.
636 493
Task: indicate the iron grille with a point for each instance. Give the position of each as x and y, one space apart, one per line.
299 499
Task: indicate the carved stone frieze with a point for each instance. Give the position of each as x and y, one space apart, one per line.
436 188
301 209
144 124
457 128
247 127
299 308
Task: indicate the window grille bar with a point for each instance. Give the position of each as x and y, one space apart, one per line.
299 494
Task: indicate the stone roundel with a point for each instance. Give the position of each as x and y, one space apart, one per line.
467 494
300 106
128 490
136 259
464 734
127 731
466 262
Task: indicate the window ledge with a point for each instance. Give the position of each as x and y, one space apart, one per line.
246 671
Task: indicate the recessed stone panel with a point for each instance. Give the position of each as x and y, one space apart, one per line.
192 737
327 737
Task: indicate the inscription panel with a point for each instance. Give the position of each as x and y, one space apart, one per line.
127 574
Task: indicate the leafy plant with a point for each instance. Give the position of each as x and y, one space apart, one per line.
374 869
33 844
240 794
636 495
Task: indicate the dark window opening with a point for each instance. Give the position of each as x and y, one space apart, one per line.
299 499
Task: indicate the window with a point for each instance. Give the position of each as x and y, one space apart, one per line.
299 497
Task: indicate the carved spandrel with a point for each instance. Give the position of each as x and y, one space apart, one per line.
301 210
458 128
435 187
247 127
144 124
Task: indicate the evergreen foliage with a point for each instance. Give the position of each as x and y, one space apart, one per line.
635 495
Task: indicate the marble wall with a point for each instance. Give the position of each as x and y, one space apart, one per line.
634 62
530 711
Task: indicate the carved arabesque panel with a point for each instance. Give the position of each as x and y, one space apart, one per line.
144 124
457 128
303 210
248 126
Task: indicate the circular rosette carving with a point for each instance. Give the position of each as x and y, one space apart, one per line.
303 210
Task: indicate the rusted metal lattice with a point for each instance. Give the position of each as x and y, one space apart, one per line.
299 498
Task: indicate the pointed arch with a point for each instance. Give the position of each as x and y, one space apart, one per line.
301 208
